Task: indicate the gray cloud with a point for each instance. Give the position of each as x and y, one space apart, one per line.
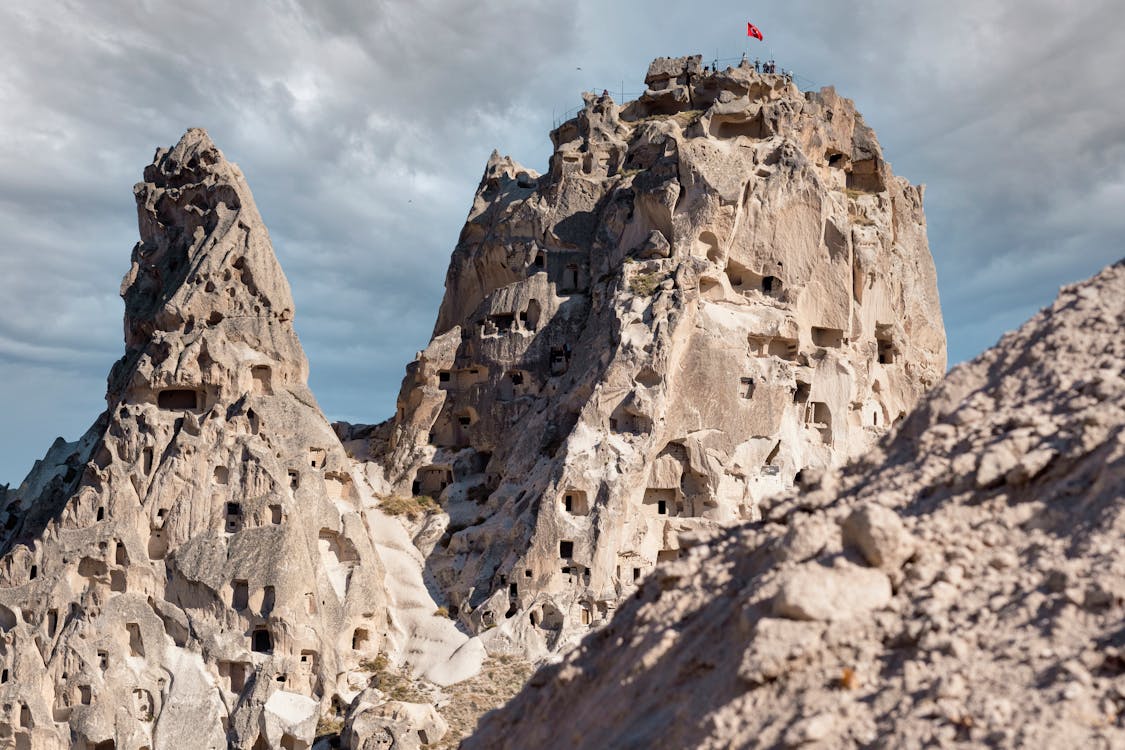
363 128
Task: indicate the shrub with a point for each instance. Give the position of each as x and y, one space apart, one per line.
411 507
397 685
687 117
378 665
327 726
644 284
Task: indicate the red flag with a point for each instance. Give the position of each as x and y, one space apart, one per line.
752 30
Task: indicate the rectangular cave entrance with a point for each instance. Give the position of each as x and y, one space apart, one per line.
233 517
576 503
885 352
503 321
560 360
240 595
819 417
432 480
769 346
262 377
829 338
261 641
570 279
662 501
179 399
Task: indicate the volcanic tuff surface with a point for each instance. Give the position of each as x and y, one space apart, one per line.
714 291
963 582
199 565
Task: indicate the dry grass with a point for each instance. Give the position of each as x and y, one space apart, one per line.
499 680
328 726
395 683
688 117
683 119
857 218
411 507
644 284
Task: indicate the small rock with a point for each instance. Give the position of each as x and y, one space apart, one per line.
1030 466
880 536
953 574
1003 560
813 729
777 643
944 593
950 686
958 648
814 592
656 246
1078 672
1056 581
1097 598
805 538
1075 596
995 464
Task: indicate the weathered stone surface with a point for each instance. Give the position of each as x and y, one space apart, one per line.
1005 630
807 536
713 290
289 715
814 592
813 729
410 724
198 565
879 535
776 647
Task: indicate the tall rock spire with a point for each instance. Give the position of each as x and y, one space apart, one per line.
204 274
715 292
196 570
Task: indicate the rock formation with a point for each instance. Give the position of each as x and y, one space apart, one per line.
197 570
964 582
718 292
715 291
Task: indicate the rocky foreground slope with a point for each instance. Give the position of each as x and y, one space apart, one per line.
964 582
201 568
714 290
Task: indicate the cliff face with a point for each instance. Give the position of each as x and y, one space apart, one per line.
963 583
197 563
715 292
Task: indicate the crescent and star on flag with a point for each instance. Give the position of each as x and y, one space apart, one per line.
754 31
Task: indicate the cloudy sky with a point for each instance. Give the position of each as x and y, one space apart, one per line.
363 131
